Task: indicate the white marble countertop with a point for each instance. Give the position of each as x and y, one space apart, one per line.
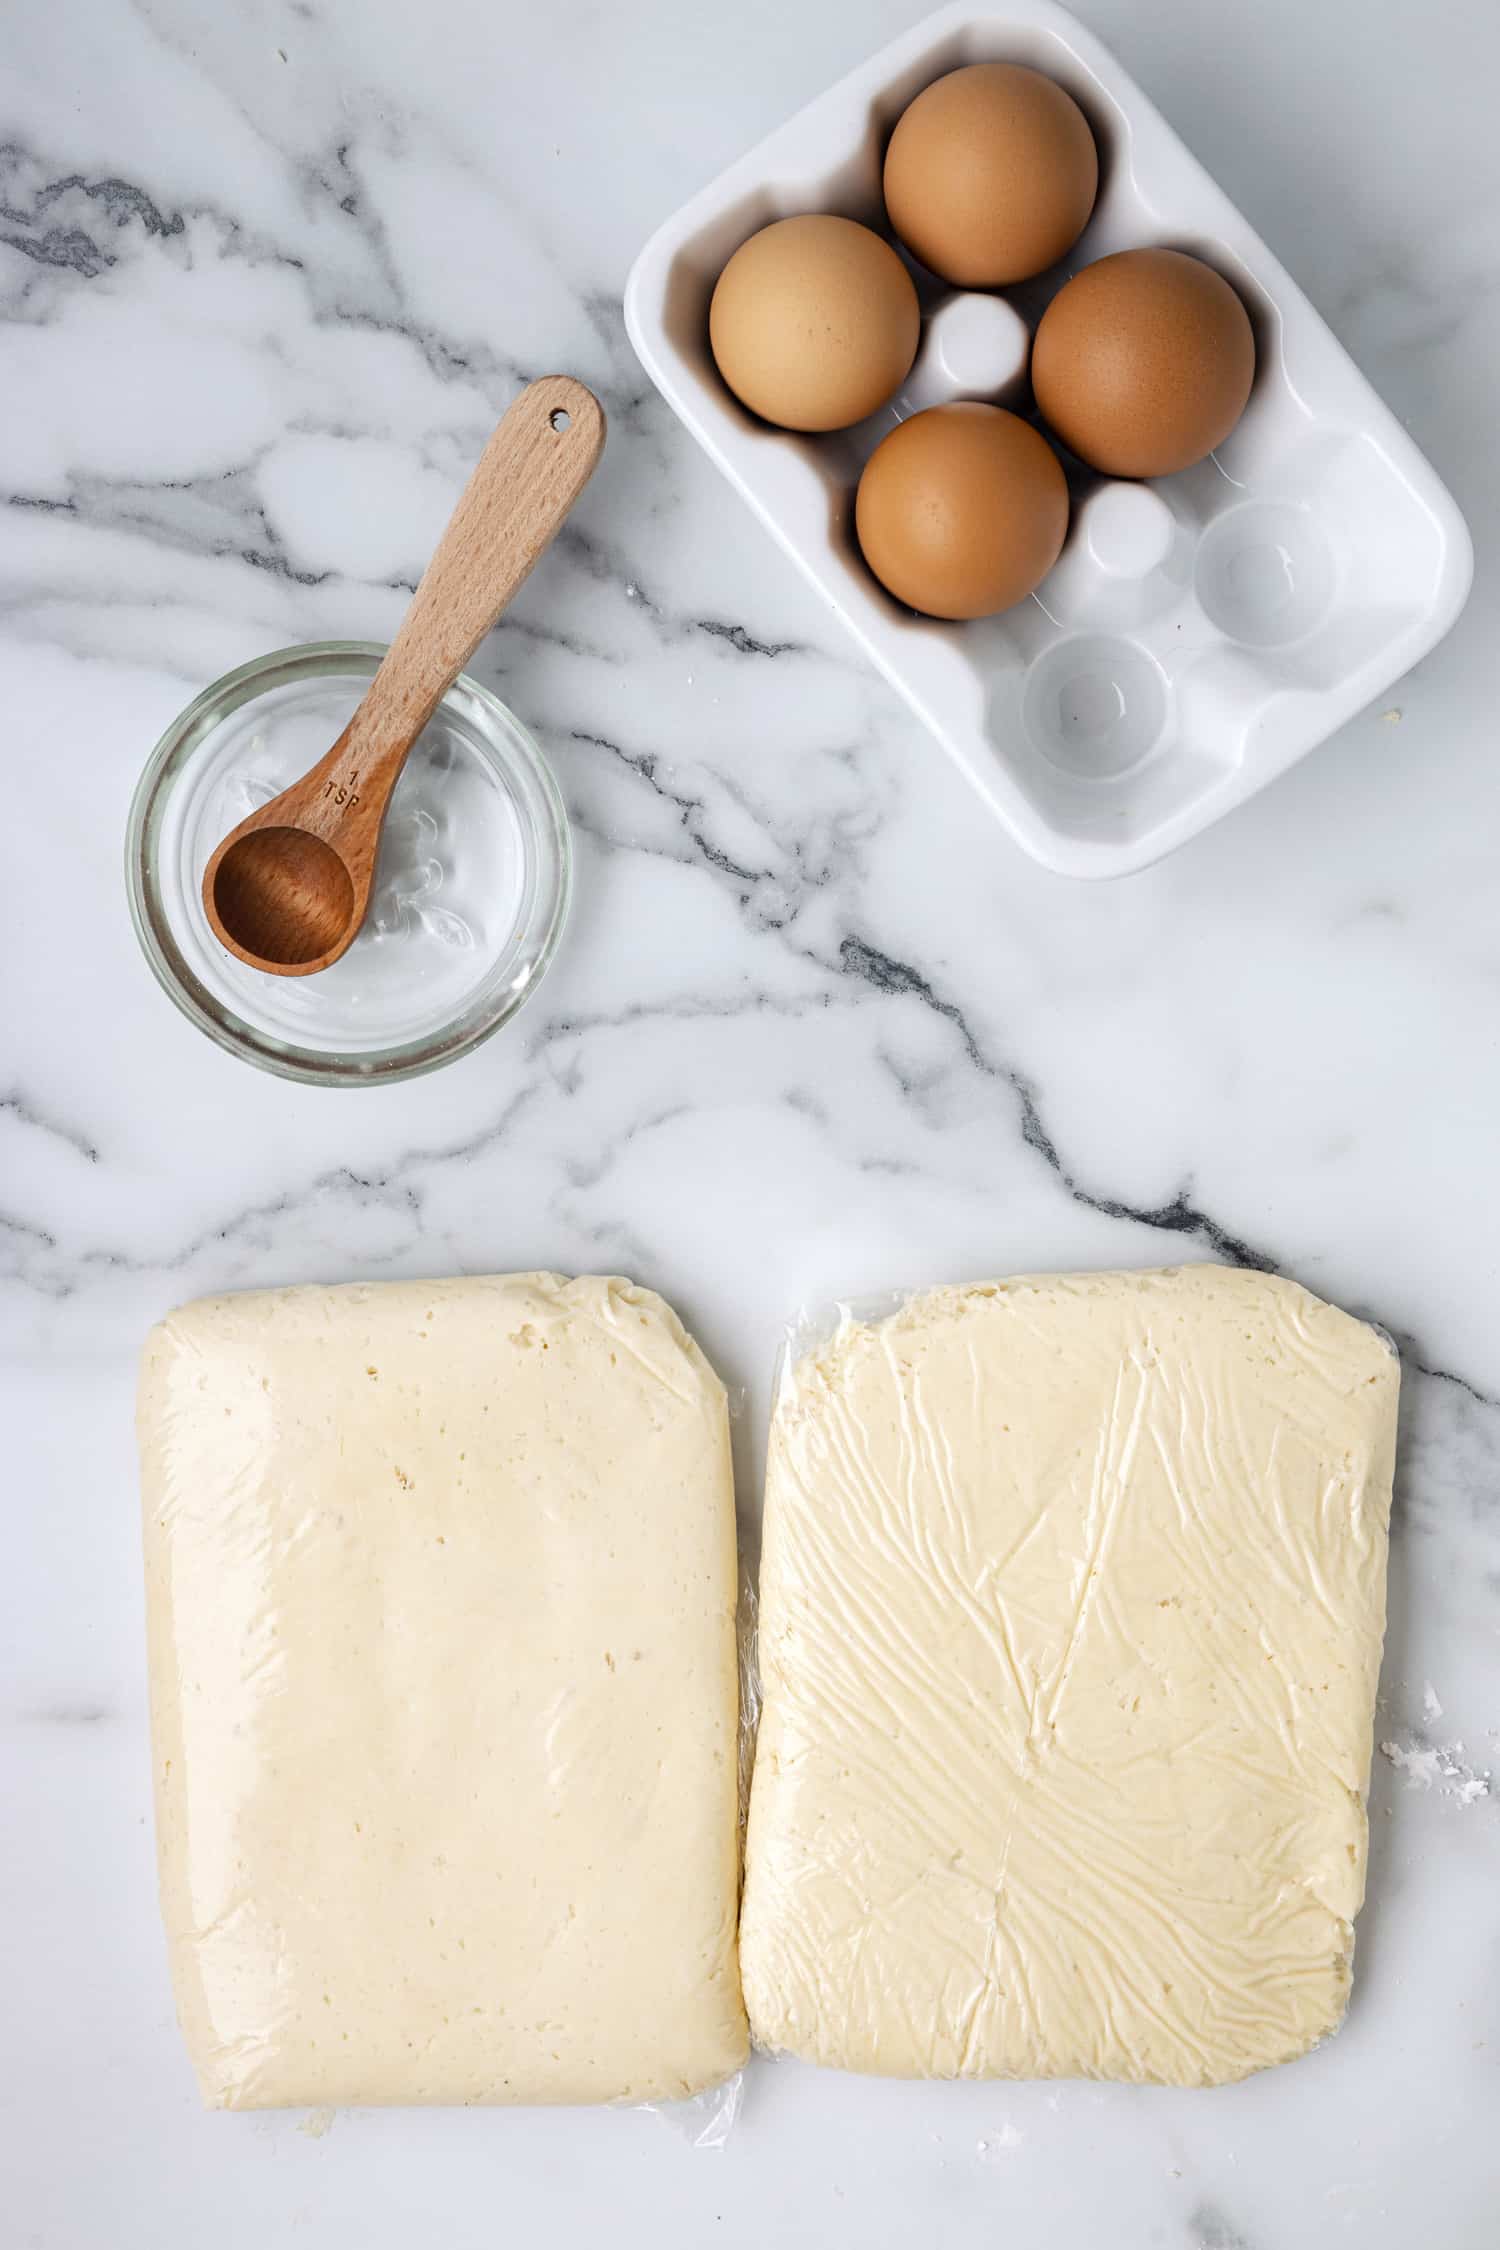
269 272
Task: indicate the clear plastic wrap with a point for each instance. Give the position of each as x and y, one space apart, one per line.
1071 1605
706 2120
441 1604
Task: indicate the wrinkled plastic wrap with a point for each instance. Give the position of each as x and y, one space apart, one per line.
441 1603
1071 1605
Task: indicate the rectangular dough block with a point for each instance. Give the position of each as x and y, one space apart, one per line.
441 1591
1072 1601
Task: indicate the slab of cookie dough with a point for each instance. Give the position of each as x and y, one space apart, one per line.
1072 1601
441 1589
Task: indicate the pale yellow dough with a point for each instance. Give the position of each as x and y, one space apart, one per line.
441 1590
1072 1601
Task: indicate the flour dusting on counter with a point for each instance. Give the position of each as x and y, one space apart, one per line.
1429 1765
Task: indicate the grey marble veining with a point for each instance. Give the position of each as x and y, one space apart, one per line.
267 277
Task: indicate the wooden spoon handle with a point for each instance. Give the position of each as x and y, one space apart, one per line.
540 458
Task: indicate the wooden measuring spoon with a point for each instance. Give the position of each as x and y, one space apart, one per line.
288 890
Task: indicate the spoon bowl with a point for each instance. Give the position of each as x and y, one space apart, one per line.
288 890
283 896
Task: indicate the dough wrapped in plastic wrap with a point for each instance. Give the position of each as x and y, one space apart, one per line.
1071 1607
441 1602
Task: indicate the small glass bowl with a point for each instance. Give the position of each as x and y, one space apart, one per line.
471 890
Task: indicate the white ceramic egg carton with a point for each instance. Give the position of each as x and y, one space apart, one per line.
1198 635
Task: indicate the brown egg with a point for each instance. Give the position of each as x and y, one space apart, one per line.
962 510
814 323
991 175
1143 364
